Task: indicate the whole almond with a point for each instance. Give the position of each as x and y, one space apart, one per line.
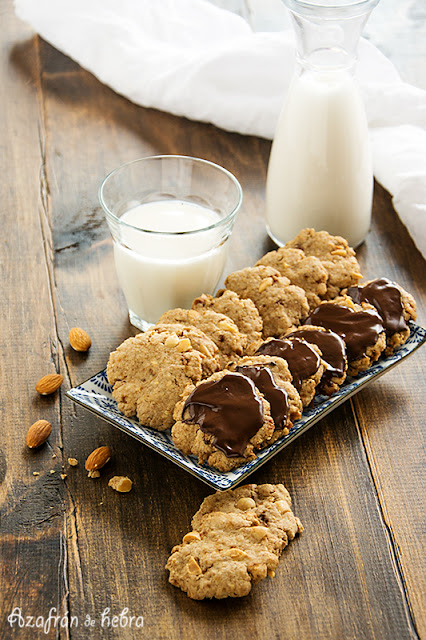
79 339
49 384
98 458
38 433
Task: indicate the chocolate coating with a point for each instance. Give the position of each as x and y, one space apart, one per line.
359 329
230 409
386 297
333 350
275 395
302 360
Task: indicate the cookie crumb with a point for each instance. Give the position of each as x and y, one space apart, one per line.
63 476
52 471
122 484
94 474
36 473
54 456
73 462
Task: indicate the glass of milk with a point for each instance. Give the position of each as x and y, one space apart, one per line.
170 218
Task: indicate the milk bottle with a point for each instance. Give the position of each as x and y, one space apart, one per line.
320 170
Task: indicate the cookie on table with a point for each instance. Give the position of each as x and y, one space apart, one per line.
242 311
304 362
333 354
281 304
304 271
337 257
222 420
150 371
360 327
394 305
220 328
236 540
273 379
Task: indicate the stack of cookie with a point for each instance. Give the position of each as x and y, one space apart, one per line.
232 374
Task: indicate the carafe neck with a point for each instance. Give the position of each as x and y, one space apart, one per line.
328 32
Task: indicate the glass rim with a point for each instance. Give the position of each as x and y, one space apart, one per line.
217 167
344 5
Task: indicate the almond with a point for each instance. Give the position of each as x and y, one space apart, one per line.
98 458
79 339
38 433
49 384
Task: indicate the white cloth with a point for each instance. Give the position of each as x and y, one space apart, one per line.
193 59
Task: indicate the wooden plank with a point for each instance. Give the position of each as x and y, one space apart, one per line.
31 506
391 414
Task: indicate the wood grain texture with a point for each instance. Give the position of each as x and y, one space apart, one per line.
356 478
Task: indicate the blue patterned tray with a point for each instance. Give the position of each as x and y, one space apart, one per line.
95 395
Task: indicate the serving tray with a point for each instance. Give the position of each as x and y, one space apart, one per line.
95 394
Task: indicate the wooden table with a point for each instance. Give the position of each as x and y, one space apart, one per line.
358 570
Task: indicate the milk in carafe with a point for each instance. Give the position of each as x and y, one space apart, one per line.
320 169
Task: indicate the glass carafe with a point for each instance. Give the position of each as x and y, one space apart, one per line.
320 169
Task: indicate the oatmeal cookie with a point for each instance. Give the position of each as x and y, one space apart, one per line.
394 305
236 540
221 329
273 379
304 362
307 272
222 420
281 304
360 327
242 311
149 371
336 255
333 353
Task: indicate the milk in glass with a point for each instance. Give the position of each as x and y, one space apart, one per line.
167 265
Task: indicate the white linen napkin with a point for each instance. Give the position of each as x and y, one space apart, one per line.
193 59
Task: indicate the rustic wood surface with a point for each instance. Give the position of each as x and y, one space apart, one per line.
358 570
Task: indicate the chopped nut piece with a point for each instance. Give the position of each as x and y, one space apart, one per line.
73 462
266 282
245 503
52 471
54 455
184 345
282 506
63 476
258 532
339 251
227 326
94 474
236 554
122 484
191 536
172 341
193 566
